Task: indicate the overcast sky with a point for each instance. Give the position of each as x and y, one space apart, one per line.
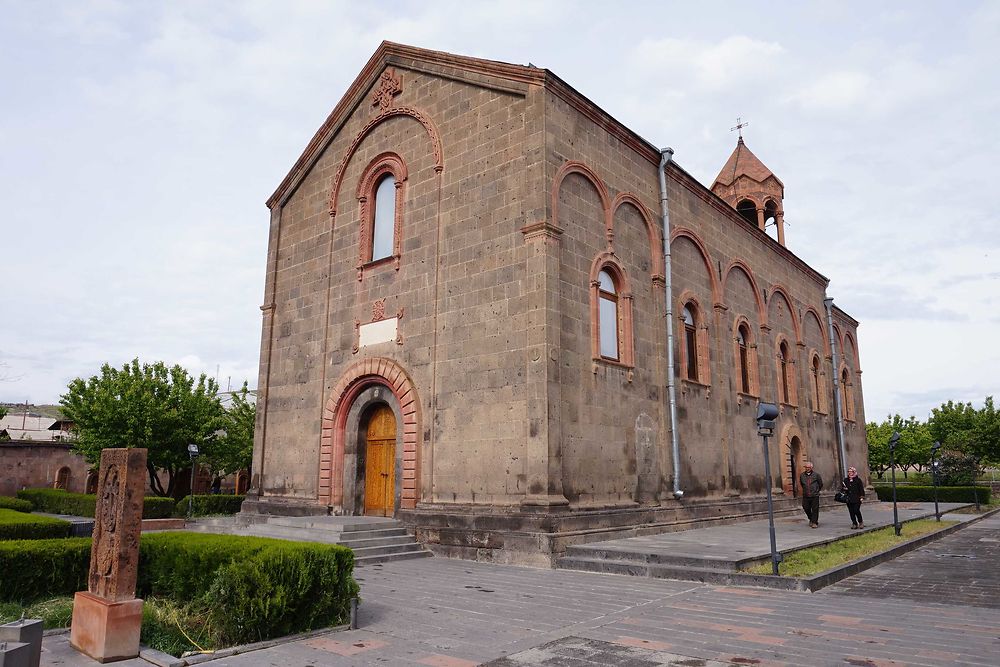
139 141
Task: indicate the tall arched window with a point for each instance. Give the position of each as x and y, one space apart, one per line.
383 218
608 317
817 384
743 350
846 400
784 372
381 191
610 312
691 342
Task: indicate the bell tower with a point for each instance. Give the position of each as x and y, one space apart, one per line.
752 189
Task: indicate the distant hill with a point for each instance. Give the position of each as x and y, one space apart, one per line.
51 411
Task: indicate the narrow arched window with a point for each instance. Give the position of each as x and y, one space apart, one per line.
816 385
384 218
845 399
741 343
608 322
691 343
783 361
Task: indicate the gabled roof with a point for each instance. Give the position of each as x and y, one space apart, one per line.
744 163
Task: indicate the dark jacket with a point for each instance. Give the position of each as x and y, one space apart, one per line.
811 485
855 489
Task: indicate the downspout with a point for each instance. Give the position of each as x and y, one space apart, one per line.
838 415
665 156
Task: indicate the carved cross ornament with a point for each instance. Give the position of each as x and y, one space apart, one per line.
378 310
389 85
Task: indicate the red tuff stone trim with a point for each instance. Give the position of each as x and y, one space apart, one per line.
363 374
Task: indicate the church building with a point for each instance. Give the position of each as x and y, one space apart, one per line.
471 322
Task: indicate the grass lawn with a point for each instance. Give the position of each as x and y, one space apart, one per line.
807 562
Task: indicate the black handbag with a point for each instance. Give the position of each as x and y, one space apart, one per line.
841 496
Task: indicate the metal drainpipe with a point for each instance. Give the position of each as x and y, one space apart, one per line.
665 156
838 415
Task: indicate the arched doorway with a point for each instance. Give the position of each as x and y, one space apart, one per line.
379 461
795 459
793 455
62 478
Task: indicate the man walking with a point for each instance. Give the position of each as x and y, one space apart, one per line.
811 484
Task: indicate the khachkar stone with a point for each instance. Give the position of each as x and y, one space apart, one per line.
107 617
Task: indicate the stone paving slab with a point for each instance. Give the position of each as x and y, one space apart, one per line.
962 568
444 612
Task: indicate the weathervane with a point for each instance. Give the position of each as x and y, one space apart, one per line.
739 126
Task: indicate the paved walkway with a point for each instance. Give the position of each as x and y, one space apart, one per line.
751 539
456 613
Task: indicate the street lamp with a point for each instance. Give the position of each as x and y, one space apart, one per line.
934 476
193 453
766 414
892 467
975 477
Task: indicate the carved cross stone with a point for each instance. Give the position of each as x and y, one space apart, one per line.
107 617
389 85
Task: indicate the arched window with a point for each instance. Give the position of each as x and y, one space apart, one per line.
846 399
690 341
62 478
608 316
786 374
816 378
380 196
610 312
743 350
383 218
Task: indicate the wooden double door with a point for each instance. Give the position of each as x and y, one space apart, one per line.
380 462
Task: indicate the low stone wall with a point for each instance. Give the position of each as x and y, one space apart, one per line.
36 465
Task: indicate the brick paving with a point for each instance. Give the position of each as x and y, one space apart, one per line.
962 568
457 613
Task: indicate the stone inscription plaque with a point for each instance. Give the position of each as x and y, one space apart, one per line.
114 556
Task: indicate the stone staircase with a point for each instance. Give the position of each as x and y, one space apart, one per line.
650 563
372 539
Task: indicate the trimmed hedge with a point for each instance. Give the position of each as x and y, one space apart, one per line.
945 494
208 505
250 588
16 525
57 501
35 569
16 504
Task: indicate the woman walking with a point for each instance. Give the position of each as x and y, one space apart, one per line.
855 495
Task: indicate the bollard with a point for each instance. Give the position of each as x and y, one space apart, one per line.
354 613
26 631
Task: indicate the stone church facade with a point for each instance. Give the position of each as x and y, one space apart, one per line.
465 322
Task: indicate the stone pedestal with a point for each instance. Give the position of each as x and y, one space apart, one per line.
106 630
15 654
24 631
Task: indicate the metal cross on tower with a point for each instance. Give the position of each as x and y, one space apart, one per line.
739 126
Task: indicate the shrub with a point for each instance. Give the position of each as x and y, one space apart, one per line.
956 469
246 588
945 494
208 505
286 588
57 501
35 569
20 526
16 504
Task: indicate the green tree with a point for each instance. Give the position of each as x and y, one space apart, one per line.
952 424
912 451
162 409
233 449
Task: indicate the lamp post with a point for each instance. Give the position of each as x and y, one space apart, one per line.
934 476
766 414
975 476
193 453
893 439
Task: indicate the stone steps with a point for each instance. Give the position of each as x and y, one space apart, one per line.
642 557
372 539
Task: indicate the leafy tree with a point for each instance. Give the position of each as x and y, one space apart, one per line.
952 424
162 409
912 451
233 449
